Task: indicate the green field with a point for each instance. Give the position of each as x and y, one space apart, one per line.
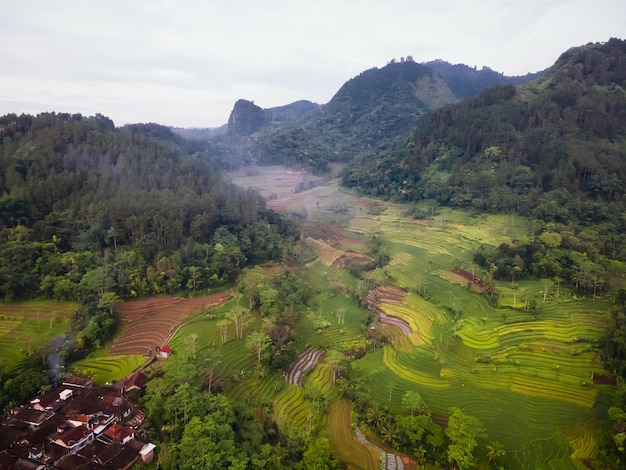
525 374
106 370
26 328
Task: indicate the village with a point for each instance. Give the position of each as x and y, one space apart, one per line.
77 425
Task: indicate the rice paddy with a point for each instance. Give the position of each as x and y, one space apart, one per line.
526 374
105 370
26 328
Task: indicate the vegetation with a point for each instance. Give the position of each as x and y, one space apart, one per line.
389 331
92 214
551 149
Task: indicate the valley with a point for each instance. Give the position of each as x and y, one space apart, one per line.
425 272
494 360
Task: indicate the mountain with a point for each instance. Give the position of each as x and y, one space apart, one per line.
370 113
246 118
199 133
381 103
554 148
293 111
467 81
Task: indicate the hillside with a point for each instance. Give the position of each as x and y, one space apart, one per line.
466 81
369 113
553 148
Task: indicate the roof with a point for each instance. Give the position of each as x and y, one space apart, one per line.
118 432
33 417
73 436
78 382
147 449
136 380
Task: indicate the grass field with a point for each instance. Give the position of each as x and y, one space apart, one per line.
27 328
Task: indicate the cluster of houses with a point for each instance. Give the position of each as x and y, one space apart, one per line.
76 426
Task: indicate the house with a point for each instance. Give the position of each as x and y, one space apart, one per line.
147 452
74 438
31 417
135 381
74 426
165 352
119 433
78 382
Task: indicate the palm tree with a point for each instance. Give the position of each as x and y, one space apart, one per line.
495 451
389 433
374 416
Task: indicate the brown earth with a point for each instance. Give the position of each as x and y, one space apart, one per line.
148 323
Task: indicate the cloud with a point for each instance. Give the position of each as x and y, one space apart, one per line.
186 63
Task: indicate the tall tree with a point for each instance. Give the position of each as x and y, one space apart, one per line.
462 431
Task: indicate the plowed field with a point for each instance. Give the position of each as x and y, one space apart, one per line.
148 323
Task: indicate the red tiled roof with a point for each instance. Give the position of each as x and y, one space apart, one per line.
118 432
136 380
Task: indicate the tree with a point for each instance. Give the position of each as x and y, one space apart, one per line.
515 287
413 403
107 300
258 342
495 451
190 342
223 324
212 360
318 456
207 442
239 316
280 336
462 431
251 283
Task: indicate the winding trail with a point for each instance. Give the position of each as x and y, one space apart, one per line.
389 461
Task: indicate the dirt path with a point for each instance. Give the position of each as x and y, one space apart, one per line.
347 447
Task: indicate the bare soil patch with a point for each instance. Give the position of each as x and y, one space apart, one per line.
148 323
463 278
604 380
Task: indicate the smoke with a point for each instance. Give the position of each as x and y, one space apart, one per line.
56 360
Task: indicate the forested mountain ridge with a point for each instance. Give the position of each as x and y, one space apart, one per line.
370 112
466 81
549 148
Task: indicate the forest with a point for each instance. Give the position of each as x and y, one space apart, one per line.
94 214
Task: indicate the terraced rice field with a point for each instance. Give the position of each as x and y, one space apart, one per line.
345 443
149 323
108 369
526 375
326 253
27 328
306 361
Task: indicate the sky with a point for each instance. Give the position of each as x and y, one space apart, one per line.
184 63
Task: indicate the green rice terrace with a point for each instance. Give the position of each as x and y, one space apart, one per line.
26 328
531 376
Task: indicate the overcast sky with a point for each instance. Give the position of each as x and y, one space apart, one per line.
185 62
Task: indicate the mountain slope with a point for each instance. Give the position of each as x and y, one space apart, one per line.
467 81
564 133
369 113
